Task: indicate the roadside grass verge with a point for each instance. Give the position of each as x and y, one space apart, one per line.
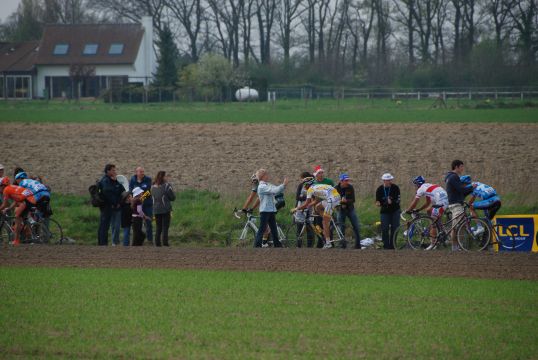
150 313
203 218
284 111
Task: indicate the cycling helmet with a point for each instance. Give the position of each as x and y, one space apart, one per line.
21 175
308 181
466 179
4 181
418 180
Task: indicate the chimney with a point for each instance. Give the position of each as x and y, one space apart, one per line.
149 52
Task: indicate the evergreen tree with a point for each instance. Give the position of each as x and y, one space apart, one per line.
167 68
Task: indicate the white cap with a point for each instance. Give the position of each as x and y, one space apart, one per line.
387 176
1 167
137 191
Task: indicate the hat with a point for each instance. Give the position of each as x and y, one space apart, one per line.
1 167
387 176
344 177
317 170
137 191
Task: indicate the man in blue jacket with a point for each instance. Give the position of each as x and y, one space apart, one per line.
144 182
456 191
111 210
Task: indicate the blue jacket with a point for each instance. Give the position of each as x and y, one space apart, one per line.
111 190
145 185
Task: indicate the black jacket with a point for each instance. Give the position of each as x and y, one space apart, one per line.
111 190
347 193
455 189
381 195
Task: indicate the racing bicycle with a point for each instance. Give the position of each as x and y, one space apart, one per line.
244 234
308 230
36 229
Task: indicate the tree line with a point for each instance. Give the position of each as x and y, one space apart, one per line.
407 43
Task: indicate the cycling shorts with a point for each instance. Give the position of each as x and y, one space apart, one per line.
436 211
486 203
330 204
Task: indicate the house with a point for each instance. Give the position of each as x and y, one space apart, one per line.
17 71
81 60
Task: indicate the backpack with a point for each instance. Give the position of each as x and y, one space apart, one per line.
96 195
279 201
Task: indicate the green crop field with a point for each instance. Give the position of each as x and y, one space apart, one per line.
142 313
284 111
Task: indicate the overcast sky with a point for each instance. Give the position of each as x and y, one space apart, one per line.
7 7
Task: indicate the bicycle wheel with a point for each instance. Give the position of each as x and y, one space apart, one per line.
418 232
54 233
290 233
5 234
400 239
241 236
474 235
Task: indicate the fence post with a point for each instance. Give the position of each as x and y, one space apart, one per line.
444 96
470 96
418 95
522 96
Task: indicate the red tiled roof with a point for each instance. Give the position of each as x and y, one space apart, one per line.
18 56
77 36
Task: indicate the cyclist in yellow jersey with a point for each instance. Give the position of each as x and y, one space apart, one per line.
324 198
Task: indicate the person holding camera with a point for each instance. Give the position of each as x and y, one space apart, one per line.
387 197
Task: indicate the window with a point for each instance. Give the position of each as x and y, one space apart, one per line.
115 49
61 49
90 49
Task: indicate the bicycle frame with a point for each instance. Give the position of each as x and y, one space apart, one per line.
251 223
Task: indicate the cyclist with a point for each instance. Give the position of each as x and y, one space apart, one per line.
324 199
41 192
23 200
436 203
489 201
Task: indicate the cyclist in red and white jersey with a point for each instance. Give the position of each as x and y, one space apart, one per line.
435 205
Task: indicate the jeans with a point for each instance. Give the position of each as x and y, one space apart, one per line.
110 218
163 223
352 215
138 234
267 218
126 235
389 224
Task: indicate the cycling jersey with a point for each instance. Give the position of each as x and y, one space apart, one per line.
19 194
435 193
322 192
483 191
39 190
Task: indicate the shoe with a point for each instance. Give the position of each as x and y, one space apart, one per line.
327 245
16 242
265 245
113 244
431 247
479 230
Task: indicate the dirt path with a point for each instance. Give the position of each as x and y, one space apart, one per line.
371 262
221 157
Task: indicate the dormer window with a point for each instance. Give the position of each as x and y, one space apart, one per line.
90 49
61 49
115 49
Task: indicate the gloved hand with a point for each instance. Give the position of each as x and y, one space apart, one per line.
293 210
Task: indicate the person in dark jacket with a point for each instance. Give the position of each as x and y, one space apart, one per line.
387 197
456 191
162 194
347 208
144 182
111 210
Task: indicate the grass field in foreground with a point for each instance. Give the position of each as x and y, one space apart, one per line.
284 111
149 313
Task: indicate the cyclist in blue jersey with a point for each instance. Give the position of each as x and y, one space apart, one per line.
489 201
40 191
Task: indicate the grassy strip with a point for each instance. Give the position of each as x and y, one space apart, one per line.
285 111
203 218
149 313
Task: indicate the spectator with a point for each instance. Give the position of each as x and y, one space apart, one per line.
319 178
266 193
387 197
302 216
347 208
163 194
144 182
111 210
126 216
456 191
138 216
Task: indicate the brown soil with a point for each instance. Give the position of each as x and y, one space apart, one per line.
335 261
221 157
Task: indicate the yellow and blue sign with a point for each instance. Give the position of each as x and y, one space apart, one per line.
517 232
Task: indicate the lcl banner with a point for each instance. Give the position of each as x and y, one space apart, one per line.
517 232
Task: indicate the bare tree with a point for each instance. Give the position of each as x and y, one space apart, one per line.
227 17
265 13
287 14
405 15
190 14
133 10
525 17
500 13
